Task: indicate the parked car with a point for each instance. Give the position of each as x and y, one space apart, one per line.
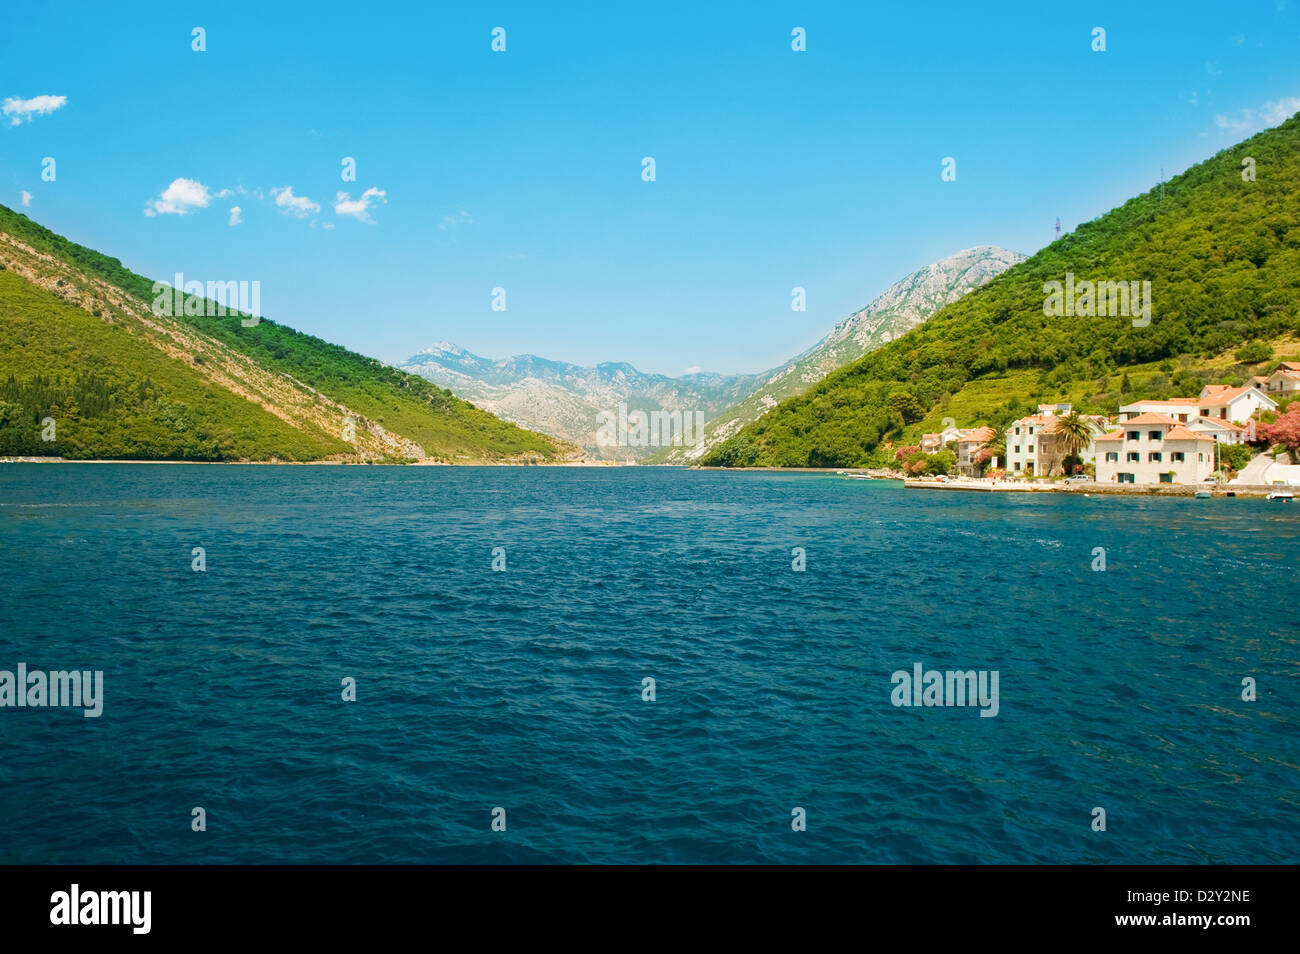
1078 478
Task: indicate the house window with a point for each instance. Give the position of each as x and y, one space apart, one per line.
1017 431
1200 457
1154 435
1205 412
1112 456
1031 430
1153 457
1017 449
1029 449
1135 435
1133 457
1166 478
1126 478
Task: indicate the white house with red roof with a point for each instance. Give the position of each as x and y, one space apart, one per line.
1181 409
1154 449
1225 432
1031 441
1284 380
969 444
1025 454
933 443
1233 404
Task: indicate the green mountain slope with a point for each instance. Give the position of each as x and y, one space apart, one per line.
1223 259
77 335
111 394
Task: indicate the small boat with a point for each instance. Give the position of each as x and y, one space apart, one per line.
1285 496
1203 495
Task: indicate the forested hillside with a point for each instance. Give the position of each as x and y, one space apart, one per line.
1222 255
73 323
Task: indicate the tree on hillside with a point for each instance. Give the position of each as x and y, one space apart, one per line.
1253 352
905 407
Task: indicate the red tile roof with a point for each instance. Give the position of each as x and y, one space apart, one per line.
980 434
1218 422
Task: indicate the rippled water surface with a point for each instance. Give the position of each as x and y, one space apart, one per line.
522 689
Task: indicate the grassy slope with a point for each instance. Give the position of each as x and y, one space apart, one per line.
1223 257
404 403
113 395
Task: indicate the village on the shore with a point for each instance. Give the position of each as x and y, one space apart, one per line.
1216 442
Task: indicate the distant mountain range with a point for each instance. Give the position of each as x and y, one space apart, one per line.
566 400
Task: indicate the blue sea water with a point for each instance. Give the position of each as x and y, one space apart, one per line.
522 689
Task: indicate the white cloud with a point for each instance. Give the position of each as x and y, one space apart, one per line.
27 199
298 206
236 216
182 196
360 209
451 221
693 369
22 110
1270 114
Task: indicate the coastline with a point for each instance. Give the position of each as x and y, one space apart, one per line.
1089 489
428 462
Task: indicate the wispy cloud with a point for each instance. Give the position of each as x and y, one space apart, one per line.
179 198
22 110
298 206
360 208
1253 120
27 199
236 216
449 222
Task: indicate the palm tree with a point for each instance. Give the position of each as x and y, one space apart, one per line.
997 445
1073 432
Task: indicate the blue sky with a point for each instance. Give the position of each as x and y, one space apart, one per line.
522 169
